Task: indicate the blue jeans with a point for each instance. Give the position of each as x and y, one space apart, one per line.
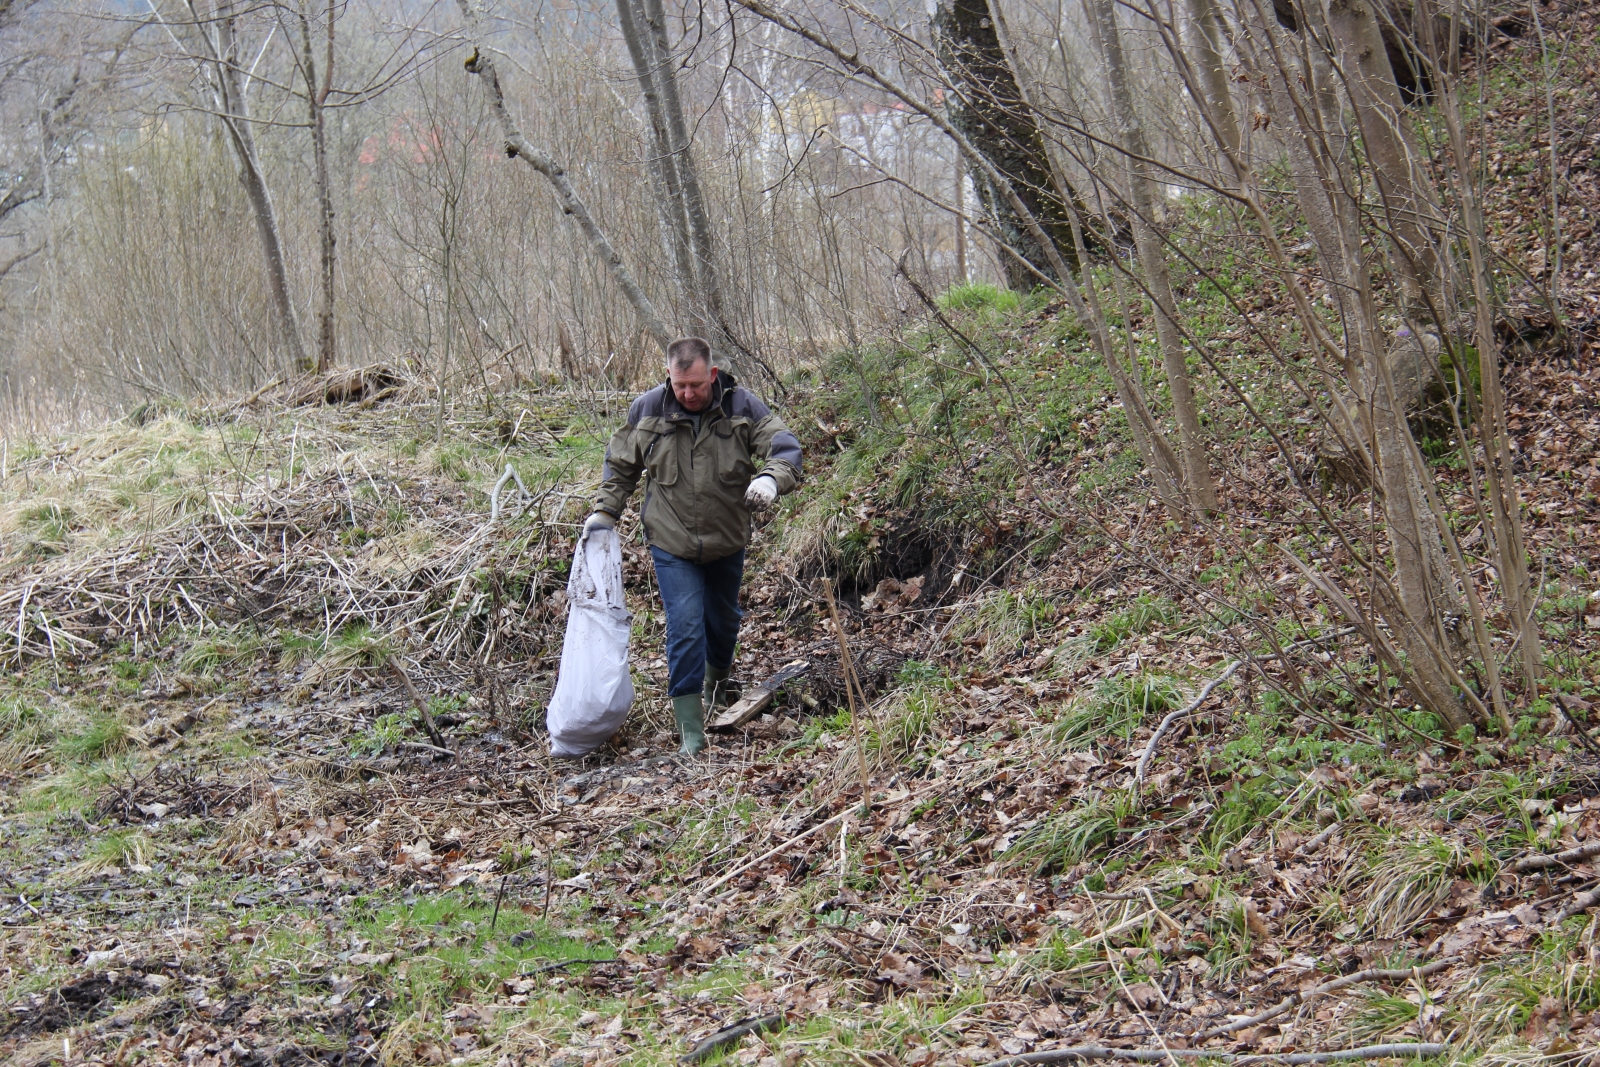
702 602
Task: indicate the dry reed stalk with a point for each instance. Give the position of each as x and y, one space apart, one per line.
852 689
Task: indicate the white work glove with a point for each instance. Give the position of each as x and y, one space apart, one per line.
762 494
597 521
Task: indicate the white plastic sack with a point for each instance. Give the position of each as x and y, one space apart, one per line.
594 689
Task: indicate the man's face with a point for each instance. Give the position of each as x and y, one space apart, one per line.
692 387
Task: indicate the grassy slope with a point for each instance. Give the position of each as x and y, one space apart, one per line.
226 812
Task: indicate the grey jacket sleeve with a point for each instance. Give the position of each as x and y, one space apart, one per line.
775 443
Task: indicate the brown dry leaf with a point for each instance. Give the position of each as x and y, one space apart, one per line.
1142 996
705 948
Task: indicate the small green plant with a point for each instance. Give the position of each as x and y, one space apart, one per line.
1384 1013
295 649
1007 620
514 857
448 704
24 727
386 731
18 715
117 848
453 461
837 724
358 646
222 650
1229 954
978 296
129 672
903 730
47 527
1245 804
1410 878
916 672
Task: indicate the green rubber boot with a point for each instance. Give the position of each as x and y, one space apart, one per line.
719 691
689 710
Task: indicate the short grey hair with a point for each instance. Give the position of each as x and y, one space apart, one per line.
685 352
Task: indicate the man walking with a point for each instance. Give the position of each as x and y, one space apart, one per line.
695 440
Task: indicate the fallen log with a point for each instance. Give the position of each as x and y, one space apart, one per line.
759 697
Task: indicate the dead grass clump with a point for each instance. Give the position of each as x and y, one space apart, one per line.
112 851
40 528
1007 620
1515 1052
1408 879
253 823
347 385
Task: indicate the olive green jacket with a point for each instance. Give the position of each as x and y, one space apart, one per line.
694 483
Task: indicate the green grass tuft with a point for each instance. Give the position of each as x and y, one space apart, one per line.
221 651
978 296
104 735
1118 707
357 646
1144 615
1069 835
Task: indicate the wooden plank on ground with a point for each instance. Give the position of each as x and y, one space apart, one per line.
759 697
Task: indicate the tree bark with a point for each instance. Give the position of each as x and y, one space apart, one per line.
572 204
1386 136
316 106
1198 485
1314 166
1499 474
712 313
989 107
961 221
662 163
233 107
1206 42
1413 540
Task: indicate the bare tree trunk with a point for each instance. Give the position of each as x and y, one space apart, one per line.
1317 172
316 106
1165 468
990 105
232 106
662 163
712 313
1198 485
961 221
1206 42
1504 501
518 145
1386 138
1413 537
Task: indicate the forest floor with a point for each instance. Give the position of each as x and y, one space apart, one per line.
227 841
